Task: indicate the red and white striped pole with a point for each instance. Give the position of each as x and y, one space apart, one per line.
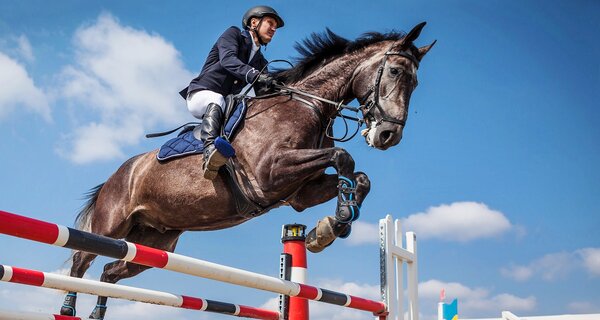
293 237
36 230
26 315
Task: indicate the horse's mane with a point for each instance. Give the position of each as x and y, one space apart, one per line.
319 47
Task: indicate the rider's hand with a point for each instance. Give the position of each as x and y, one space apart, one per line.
265 80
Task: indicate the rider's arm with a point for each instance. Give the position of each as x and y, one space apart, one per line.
228 46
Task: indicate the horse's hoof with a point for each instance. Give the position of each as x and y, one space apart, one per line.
68 307
322 236
342 230
66 310
98 313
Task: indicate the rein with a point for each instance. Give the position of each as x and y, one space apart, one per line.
339 107
367 109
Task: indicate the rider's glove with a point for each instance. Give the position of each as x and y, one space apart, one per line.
265 80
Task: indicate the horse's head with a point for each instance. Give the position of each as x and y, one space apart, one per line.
384 84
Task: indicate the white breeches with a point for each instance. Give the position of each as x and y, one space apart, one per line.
198 101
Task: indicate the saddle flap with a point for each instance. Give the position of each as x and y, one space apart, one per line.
187 144
236 112
182 145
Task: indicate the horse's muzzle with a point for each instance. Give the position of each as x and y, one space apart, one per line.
384 136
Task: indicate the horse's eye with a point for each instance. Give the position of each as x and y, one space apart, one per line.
394 71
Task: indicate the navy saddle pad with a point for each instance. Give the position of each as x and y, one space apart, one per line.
186 144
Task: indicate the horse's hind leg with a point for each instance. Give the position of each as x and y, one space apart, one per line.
118 270
81 262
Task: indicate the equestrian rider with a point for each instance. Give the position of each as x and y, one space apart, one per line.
234 61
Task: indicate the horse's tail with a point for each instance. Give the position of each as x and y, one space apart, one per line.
83 220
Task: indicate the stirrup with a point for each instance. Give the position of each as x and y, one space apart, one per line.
210 167
219 154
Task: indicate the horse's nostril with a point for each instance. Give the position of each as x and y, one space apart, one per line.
386 136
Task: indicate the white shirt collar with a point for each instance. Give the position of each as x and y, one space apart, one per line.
254 46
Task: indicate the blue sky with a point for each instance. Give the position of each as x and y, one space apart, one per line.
497 172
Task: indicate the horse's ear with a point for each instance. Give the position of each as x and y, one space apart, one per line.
424 50
413 34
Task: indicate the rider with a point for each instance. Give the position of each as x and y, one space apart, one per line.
234 61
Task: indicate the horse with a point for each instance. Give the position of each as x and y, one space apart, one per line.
282 151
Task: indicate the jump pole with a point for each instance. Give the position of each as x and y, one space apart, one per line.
62 282
25 315
37 230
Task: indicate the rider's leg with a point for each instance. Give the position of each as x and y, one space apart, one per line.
207 105
210 130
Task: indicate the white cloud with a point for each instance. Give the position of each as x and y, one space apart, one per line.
459 221
363 233
127 80
96 141
591 260
431 290
556 265
24 48
516 272
583 307
474 302
19 90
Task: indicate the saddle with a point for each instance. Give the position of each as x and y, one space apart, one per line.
187 143
188 140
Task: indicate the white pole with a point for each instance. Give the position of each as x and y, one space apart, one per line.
393 257
412 276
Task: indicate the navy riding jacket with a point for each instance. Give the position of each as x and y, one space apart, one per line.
227 69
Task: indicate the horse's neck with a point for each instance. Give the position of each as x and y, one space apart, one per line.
334 79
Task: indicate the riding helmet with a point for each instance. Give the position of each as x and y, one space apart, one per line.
259 12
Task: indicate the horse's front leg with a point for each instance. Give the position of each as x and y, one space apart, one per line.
351 189
321 190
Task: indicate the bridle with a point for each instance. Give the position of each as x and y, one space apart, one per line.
367 108
374 90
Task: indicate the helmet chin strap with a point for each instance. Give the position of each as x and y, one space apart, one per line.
255 29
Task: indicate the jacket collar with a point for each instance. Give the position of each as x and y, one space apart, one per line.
247 37
249 44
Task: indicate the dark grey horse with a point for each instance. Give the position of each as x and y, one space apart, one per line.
282 154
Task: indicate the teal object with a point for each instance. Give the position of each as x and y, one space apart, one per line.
450 311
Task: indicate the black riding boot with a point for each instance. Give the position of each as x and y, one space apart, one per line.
209 131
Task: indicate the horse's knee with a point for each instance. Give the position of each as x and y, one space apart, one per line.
342 161
363 184
117 270
81 261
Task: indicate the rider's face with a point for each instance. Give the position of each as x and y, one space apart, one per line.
267 28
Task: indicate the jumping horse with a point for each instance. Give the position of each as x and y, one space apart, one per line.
282 152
